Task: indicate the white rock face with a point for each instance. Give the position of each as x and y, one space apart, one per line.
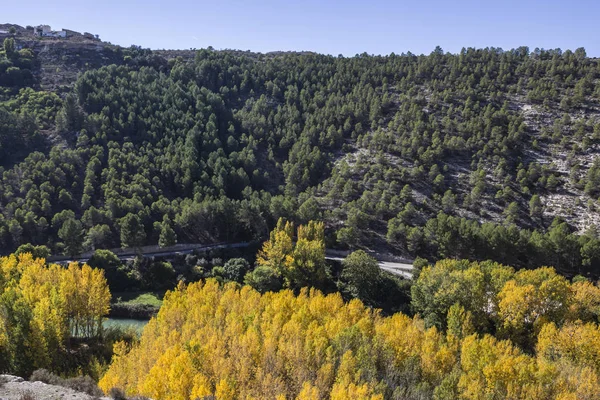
15 386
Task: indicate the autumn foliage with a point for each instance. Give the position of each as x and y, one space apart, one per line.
299 260
42 306
235 343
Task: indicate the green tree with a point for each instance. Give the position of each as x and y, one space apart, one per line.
235 269
263 279
361 275
98 236
132 231
511 212
71 233
592 186
448 202
167 237
36 251
535 206
9 48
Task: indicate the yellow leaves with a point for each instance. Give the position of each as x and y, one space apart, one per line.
87 298
225 390
585 301
532 299
49 301
515 305
201 387
314 231
351 391
494 369
172 377
348 385
231 342
579 384
309 392
274 252
577 343
300 263
437 357
235 343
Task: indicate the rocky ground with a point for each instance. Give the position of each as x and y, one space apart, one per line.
15 387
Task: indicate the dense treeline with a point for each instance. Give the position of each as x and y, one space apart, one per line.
485 332
292 258
449 236
41 307
16 66
218 149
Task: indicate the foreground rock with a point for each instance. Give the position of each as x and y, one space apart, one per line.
14 387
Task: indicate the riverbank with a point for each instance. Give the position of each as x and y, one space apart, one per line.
135 305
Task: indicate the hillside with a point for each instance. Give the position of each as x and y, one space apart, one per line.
470 155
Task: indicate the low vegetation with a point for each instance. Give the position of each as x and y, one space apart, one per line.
135 305
83 384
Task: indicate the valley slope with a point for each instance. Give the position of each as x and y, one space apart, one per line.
482 154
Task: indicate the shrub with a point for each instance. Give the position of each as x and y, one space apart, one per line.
43 375
235 269
263 279
27 395
117 394
83 384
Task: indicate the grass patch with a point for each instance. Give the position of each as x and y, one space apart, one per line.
136 305
152 299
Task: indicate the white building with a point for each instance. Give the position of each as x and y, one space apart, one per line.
42 30
46 31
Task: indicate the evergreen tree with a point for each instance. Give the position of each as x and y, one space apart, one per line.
71 233
132 231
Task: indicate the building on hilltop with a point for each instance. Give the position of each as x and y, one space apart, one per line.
46 31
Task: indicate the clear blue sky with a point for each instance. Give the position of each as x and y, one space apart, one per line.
327 26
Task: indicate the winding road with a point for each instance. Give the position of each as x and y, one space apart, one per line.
401 267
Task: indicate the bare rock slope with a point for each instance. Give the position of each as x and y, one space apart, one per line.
15 387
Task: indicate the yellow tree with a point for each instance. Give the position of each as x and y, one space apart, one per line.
572 355
306 265
493 369
531 299
279 246
585 301
300 263
39 305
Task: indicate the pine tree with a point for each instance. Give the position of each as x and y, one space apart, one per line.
167 237
71 233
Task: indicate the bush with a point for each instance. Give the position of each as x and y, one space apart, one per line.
43 375
83 384
263 279
36 251
160 274
117 394
235 269
27 395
